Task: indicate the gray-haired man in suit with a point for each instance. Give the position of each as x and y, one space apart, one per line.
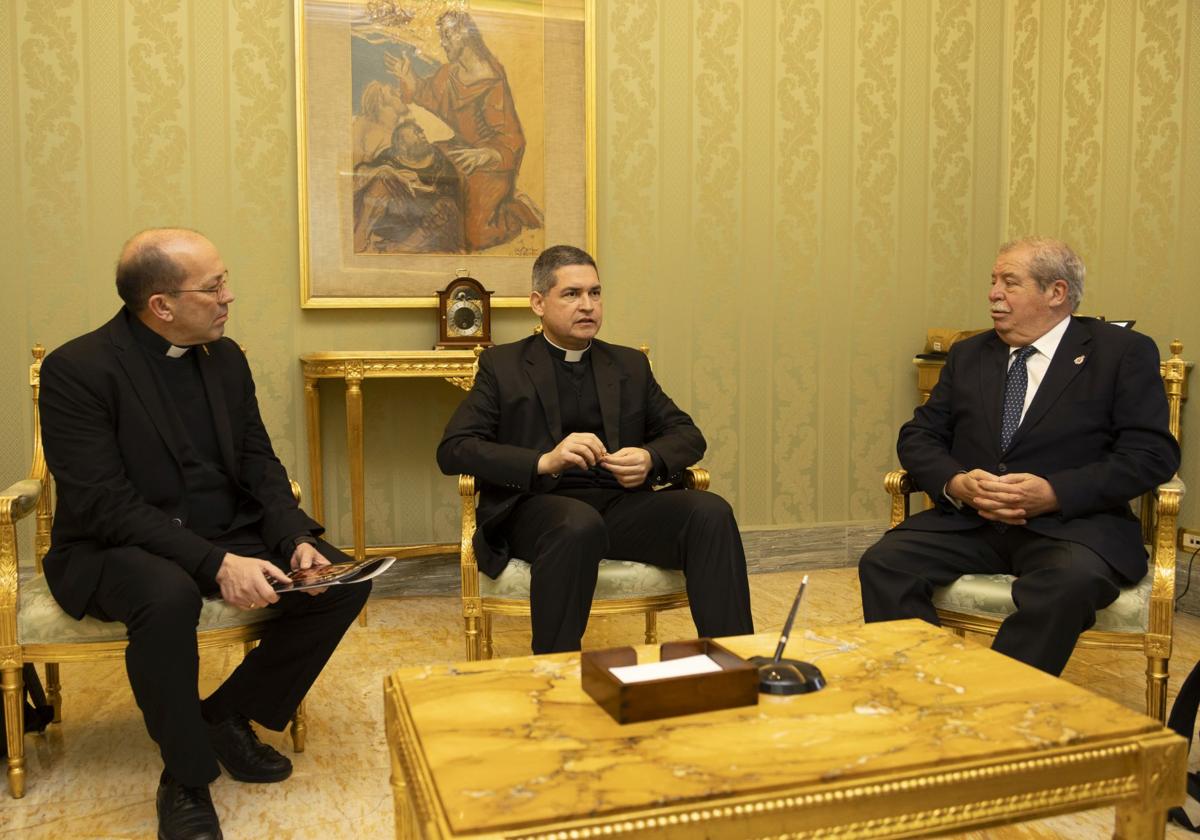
1034 439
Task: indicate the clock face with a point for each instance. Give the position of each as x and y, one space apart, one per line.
464 317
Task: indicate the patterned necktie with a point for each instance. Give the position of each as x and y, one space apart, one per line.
1014 396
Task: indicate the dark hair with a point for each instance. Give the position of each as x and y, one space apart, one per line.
554 258
147 270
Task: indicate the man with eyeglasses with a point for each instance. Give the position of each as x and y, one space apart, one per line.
169 492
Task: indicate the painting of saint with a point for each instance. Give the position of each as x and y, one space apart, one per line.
461 192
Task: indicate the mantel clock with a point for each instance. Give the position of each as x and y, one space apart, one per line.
465 314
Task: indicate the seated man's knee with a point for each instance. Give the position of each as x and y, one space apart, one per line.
873 562
172 603
711 506
582 530
1065 588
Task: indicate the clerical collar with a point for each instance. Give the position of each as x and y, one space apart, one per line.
564 354
152 341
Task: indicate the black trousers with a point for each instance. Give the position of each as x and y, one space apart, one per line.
1060 585
159 604
565 535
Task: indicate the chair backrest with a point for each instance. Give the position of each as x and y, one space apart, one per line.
1174 371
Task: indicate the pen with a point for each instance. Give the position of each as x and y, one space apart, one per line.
787 627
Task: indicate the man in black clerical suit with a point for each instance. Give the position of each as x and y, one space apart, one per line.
566 435
1034 439
169 491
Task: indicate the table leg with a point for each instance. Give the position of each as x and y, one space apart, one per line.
312 413
1163 785
1137 822
354 451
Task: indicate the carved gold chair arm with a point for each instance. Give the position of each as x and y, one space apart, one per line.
17 501
466 486
466 491
1167 499
1173 489
898 482
297 493
697 478
899 486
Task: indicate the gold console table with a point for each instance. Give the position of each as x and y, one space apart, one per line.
455 366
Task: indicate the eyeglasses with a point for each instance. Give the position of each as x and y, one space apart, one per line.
221 286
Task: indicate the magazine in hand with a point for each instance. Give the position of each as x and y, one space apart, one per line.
315 577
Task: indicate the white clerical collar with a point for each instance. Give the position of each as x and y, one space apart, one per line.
571 355
174 352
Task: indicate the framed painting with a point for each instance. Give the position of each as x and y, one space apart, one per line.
437 136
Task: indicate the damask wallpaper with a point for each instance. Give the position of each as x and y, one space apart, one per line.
791 191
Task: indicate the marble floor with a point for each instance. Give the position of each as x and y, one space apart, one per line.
94 775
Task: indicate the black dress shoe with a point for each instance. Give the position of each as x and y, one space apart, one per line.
243 756
185 813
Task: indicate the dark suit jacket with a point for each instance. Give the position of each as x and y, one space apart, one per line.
1096 430
511 416
115 457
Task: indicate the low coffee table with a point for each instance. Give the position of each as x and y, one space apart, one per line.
918 733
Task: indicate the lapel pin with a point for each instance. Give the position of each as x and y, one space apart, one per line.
1079 359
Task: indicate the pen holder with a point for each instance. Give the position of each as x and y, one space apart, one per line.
787 676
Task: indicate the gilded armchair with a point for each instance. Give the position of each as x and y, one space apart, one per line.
34 629
1140 619
622 586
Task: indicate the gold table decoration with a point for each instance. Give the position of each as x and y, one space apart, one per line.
918 733
455 366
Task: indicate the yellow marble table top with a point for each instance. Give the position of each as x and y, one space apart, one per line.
912 714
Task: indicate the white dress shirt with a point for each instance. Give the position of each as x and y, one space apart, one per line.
1035 367
1038 363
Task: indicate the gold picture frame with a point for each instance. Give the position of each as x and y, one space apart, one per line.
435 136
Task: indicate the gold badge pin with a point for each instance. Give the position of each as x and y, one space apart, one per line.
1079 359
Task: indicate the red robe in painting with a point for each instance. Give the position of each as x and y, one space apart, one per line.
482 116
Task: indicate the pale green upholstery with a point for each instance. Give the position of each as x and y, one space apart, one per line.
622 586
41 621
617 579
991 595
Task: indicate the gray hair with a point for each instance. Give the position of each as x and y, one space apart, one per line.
1050 260
554 258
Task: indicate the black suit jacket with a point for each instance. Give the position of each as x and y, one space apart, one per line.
115 457
1096 430
511 416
